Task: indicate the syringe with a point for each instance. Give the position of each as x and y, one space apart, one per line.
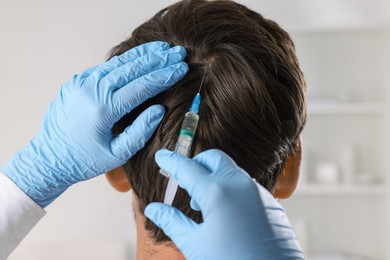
183 145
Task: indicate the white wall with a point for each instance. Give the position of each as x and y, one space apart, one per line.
43 43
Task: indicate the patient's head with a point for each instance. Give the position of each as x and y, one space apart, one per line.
253 97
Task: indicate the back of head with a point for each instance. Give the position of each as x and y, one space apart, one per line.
253 95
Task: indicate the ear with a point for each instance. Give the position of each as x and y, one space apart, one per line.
117 179
288 179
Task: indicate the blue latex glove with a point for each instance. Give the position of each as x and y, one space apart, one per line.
242 220
75 142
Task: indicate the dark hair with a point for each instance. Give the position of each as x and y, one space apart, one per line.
253 96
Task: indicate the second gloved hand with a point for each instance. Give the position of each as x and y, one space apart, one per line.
75 142
241 219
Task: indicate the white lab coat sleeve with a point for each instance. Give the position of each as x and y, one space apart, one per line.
18 215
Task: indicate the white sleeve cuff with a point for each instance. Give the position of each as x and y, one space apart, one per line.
18 215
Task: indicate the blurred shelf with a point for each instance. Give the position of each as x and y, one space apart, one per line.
339 108
369 190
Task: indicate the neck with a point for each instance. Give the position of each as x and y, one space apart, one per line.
147 249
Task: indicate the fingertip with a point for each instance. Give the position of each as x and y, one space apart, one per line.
150 210
158 111
194 205
180 50
161 155
160 214
135 136
162 44
177 72
184 67
171 220
210 159
145 48
163 152
156 45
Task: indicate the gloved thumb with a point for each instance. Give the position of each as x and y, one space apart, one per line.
137 134
172 221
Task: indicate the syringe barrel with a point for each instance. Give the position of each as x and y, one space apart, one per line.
183 147
187 133
186 136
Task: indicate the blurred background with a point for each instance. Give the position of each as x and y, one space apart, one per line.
341 209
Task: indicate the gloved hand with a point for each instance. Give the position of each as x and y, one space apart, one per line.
242 220
75 142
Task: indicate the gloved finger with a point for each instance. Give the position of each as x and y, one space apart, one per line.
194 205
189 174
201 176
172 221
137 134
137 52
139 90
215 160
142 66
226 178
87 72
129 56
